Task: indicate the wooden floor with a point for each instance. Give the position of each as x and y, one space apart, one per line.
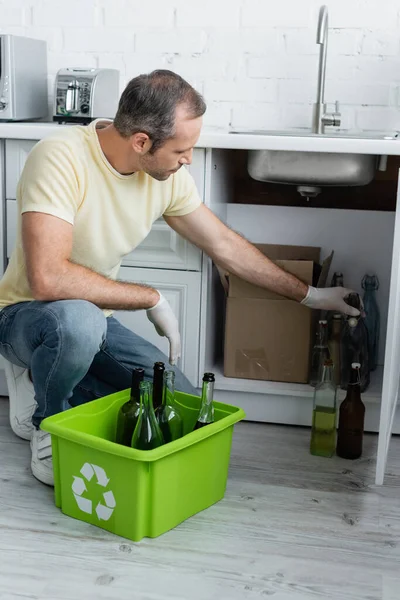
291 527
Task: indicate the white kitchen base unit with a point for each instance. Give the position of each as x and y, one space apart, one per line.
292 403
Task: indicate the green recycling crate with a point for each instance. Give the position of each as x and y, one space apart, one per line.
136 493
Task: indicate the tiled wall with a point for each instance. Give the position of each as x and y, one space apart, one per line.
254 60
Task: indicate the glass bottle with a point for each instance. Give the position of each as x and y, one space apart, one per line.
323 432
206 414
370 284
168 415
351 419
334 345
147 434
158 384
320 352
129 412
354 346
337 279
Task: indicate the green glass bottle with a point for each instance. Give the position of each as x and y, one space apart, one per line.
129 412
168 415
206 414
323 433
147 434
158 384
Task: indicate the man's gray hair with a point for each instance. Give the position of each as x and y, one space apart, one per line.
149 102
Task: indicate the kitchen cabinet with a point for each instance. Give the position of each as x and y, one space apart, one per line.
182 290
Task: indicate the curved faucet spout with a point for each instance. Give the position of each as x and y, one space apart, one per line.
320 116
322 39
322 24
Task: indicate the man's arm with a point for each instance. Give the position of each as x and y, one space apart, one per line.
235 254
47 243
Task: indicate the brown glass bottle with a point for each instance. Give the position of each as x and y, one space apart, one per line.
158 384
351 419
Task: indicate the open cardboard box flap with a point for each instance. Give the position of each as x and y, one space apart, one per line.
301 261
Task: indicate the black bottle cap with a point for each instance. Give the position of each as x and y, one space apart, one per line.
159 365
209 377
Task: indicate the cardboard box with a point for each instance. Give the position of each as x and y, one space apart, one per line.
267 336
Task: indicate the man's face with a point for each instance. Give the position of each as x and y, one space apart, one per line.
176 151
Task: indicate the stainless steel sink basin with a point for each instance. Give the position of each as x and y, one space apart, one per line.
303 168
311 168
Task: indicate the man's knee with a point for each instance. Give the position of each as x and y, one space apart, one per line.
81 324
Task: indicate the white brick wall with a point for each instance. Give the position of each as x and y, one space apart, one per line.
254 60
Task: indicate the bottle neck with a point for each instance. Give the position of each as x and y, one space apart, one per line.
145 397
327 375
206 414
137 378
169 387
354 386
158 386
322 335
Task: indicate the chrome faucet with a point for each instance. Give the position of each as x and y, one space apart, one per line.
320 116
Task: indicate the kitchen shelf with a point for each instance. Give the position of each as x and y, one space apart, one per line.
300 390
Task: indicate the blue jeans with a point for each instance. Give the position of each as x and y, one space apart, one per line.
75 354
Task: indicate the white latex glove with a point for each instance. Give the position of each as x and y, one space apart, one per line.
331 298
166 324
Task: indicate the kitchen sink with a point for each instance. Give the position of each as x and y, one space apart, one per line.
311 168
303 168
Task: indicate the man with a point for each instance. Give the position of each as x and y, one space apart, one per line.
87 196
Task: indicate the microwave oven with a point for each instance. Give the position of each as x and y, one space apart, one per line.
23 78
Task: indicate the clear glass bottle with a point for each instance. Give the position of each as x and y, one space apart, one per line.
351 419
370 284
147 434
206 414
354 346
323 431
320 352
168 415
158 384
129 412
334 345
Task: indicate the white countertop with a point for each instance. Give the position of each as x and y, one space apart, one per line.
360 143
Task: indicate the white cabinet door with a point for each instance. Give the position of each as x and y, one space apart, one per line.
16 153
182 290
390 388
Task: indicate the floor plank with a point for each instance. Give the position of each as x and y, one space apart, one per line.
291 527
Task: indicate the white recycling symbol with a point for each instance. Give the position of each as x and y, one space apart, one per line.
103 511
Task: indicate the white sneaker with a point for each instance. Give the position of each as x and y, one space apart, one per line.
42 462
22 400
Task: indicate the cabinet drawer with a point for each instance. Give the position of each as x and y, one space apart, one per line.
182 290
164 249
16 154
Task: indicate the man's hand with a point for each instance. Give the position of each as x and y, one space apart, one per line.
166 324
330 299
